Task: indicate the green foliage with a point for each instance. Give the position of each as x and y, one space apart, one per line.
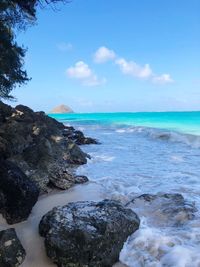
15 15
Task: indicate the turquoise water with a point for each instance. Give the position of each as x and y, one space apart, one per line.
184 122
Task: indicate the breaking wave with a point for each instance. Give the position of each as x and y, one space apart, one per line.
163 135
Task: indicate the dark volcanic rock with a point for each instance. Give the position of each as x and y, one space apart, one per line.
40 146
5 111
75 155
12 253
87 233
24 109
169 208
62 179
18 194
78 137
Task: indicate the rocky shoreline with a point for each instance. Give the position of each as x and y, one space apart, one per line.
38 155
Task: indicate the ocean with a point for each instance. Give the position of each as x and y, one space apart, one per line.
156 152
184 122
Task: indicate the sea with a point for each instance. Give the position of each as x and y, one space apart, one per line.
139 153
147 153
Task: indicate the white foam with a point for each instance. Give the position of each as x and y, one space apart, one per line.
120 131
154 247
181 256
102 157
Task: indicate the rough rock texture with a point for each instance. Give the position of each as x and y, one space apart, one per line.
36 155
18 194
87 234
12 253
78 137
40 146
169 208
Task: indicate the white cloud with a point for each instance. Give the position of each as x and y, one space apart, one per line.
84 74
163 79
103 54
65 46
133 69
142 72
79 71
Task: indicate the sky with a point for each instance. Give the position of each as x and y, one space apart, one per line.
114 56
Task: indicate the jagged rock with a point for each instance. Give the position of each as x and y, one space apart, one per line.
169 208
12 253
78 137
62 178
18 194
75 155
38 145
87 233
24 109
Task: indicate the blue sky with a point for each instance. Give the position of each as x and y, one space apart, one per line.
100 56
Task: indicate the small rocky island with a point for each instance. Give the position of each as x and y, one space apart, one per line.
61 109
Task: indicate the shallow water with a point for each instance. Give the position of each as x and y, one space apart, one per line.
133 160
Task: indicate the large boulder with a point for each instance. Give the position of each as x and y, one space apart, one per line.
171 209
18 194
87 234
12 253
